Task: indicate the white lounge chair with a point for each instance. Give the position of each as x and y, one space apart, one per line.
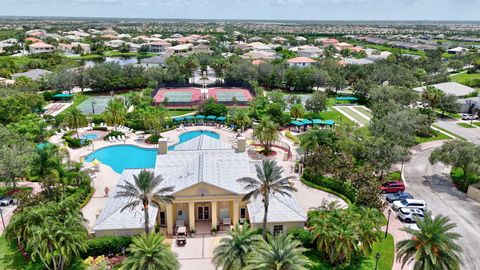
123 138
67 128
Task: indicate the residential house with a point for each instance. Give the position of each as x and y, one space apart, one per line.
206 194
33 39
34 74
5 81
159 46
300 62
457 50
355 61
450 88
309 51
155 61
115 43
133 47
279 40
301 39
40 47
183 48
202 48
326 41
262 55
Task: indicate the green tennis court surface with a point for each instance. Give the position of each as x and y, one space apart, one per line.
180 96
228 96
100 103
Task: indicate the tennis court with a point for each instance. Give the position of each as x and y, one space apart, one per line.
100 103
228 95
187 96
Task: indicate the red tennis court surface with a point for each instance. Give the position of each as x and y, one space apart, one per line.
190 96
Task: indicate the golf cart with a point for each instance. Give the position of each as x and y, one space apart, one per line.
181 236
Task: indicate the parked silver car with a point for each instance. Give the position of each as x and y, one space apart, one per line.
5 201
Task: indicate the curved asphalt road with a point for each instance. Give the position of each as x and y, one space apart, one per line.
432 184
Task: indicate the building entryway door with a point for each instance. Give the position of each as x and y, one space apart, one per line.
203 212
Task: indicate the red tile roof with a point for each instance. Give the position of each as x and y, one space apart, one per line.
301 60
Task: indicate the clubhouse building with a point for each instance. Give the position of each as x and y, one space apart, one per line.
204 173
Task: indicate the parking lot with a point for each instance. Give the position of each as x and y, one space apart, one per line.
7 212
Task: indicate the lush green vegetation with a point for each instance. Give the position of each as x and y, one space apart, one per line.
10 256
463 181
386 248
434 136
448 132
465 78
466 125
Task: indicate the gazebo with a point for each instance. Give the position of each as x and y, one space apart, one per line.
62 96
221 118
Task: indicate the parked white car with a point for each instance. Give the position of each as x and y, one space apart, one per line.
409 203
409 214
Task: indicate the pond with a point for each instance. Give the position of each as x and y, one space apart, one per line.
130 60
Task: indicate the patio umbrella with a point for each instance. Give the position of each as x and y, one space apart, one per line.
211 117
330 122
306 122
221 118
178 119
200 116
189 117
317 122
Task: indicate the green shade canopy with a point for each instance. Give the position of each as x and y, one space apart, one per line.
306 122
211 117
296 123
41 146
221 118
189 117
330 122
318 122
65 96
200 116
178 119
346 98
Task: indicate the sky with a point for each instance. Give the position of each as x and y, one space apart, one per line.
460 10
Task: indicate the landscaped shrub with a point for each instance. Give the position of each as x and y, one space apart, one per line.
153 138
75 142
292 137
98 119
100 128
343 187
302 235
107 244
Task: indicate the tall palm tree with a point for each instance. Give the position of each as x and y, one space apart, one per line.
46 160
432 246
241 118
297 110
232 252
145 191
76 119
147 252
267 132
433 96
115 112
280 253
269 181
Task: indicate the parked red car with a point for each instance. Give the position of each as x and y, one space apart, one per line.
391 187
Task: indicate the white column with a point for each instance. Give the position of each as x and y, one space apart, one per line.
214 214
169 218
191 215
235 217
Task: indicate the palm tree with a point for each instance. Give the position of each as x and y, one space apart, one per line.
280 253
46 161
241 118
232 252
147 252
432 95
75 119
267 132
297 110
315 137
432 246
269 181
115 112
145 191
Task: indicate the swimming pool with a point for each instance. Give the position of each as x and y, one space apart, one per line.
121 157
186 136
89 136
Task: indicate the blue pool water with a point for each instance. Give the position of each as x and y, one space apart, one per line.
90 136
192 134
121 157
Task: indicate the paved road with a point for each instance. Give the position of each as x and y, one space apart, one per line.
431 183
471 134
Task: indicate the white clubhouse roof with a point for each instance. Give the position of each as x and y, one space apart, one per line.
450 88
282 208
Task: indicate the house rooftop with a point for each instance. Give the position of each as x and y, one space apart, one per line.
301 60
450 88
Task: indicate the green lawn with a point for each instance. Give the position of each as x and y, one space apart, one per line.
355 115
386 248
10 257
447 114
439 136
177 113
466 125
448 132
464 78
458 178
476 124
364 111
332 114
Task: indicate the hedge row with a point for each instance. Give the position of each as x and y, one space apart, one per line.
292 137
106 245
340 189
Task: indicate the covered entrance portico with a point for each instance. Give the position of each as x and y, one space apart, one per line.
201 215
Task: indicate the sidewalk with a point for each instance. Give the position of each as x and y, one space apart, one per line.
398 235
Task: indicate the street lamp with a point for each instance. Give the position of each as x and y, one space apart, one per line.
377 257
388 222
1 215
93 105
